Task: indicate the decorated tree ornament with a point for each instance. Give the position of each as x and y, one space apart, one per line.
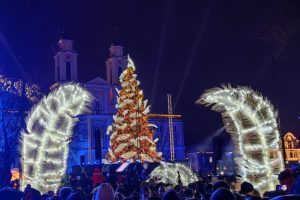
252 122
131 136
173 172
45 147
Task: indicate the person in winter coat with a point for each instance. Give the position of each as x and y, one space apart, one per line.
104 192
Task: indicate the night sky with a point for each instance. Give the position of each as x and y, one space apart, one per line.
179 47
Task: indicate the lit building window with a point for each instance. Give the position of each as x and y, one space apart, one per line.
210 160
290 143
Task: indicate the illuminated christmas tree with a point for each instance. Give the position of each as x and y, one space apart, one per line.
131 136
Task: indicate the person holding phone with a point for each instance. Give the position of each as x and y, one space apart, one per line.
286 180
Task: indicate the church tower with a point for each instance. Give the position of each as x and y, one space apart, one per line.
115 65
65 62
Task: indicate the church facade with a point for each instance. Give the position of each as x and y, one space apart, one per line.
90 142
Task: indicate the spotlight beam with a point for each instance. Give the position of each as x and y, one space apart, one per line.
160 49
5 44
194 50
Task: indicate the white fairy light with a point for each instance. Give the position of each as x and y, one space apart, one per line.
32 91
109 128
251 120
117 90
168 173
46 146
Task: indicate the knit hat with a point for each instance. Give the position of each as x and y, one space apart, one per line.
64 192
76 195
36 195
208 189
222 194
8 193
220 184
285 174
105 192
246 187
253 198
170 195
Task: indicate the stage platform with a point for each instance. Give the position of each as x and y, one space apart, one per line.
117 168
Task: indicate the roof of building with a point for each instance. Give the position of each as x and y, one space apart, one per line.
163 116
97 81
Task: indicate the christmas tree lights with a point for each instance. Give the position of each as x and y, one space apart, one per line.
251 120
168 173
131 136
46 146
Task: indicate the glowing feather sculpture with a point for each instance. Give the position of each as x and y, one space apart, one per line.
46 146
168 173
252 122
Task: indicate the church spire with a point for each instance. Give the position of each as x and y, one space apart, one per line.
65 62
115 64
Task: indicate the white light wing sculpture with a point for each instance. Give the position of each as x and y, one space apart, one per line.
252 122
46 146
168 173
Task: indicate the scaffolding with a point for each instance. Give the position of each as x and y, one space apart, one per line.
170 113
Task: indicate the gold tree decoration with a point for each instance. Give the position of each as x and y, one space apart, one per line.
131 136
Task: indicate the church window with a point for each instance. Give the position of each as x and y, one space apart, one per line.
105 141
101 106
286 144
96 107
120 71
97 139
82 159
68 71
111 98
58 74
57 61
111 78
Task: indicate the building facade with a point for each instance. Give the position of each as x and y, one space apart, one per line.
204 163
90 142
292 150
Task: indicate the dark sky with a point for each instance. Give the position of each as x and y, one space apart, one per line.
190 45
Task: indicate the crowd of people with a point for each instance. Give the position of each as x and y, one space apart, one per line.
99 187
